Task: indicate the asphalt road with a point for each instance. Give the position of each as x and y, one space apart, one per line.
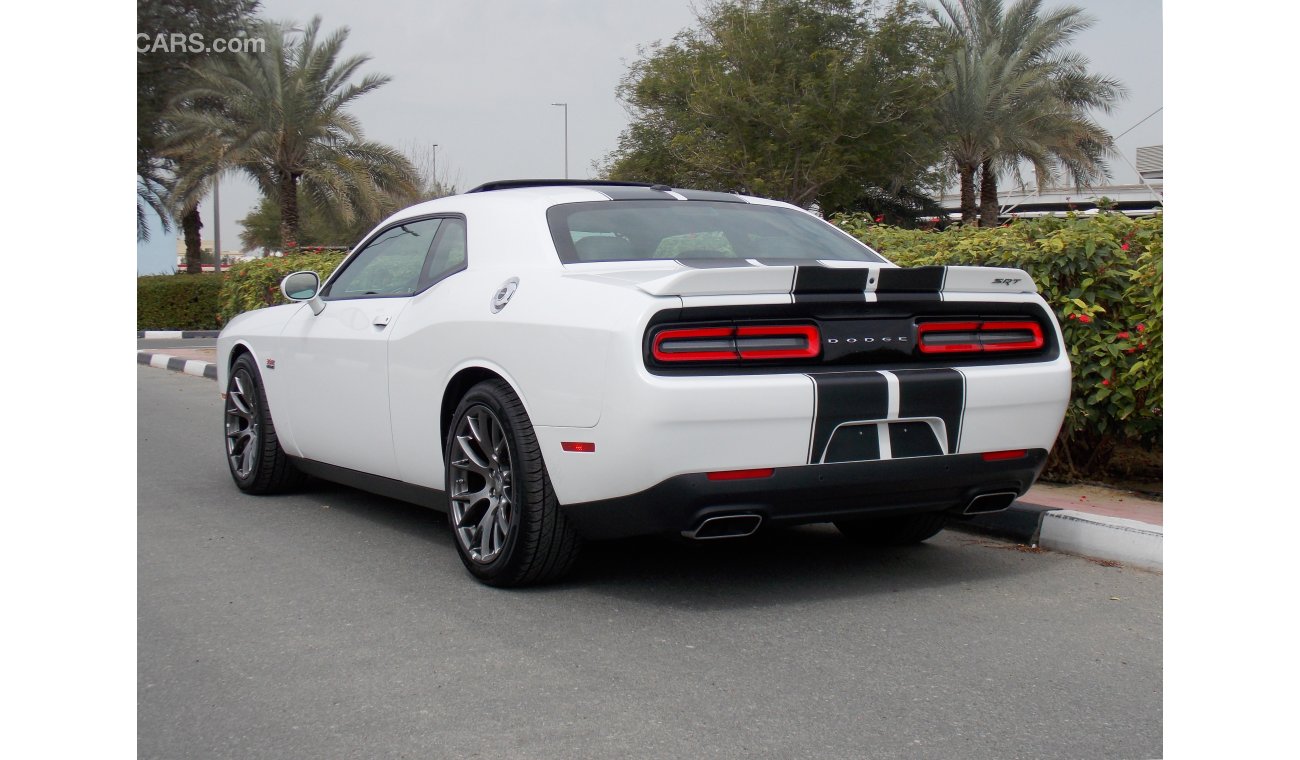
336 624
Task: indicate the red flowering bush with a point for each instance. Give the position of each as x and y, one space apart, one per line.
1104 277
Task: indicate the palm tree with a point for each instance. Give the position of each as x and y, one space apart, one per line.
281 118
1014 93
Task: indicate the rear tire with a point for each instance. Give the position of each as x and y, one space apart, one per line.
257 463
506 523
899 530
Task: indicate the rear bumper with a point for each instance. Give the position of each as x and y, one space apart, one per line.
809 494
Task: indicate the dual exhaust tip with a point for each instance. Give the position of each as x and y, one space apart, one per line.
725 526
738 526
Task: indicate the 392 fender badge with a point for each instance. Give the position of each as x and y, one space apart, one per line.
270 363
503 294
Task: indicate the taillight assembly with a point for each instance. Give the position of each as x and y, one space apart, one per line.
748 342
978 337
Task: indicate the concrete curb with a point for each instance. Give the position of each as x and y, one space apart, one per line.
1111 538
176 364
174 334
1072 532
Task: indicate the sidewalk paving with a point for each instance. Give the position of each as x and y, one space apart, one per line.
1100 523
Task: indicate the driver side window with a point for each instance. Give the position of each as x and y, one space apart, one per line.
390 265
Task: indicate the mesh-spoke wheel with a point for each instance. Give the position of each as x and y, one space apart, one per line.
243 431
509 528
482 485
257 463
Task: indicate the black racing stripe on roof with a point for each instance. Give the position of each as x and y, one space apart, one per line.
709 195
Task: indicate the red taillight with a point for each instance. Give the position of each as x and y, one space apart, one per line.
977 337
751 342
700 344
765 472
778 342
1011 336
944 337
585 447
998 456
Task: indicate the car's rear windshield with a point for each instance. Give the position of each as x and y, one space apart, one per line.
655 230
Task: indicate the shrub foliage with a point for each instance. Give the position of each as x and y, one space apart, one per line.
177 301
1103 275
256 283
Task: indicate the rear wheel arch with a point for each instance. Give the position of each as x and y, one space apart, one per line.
458 386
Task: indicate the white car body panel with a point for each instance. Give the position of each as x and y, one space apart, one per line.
570 342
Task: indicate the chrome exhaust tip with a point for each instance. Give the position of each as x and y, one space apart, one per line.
725 526
990 502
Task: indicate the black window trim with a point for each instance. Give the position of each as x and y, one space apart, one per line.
421 284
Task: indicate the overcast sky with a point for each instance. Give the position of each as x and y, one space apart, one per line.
477 78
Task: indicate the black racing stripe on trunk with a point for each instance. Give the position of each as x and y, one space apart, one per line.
814 283
719 263
911 280
709 195
845 397
933 393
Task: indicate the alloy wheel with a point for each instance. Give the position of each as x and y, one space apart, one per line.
482 485
243 432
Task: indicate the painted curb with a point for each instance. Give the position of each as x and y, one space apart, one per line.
175 334
176 364
1110 538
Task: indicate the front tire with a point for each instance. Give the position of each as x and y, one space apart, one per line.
899 530
257 463
508 527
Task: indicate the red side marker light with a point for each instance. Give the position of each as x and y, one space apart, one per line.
585 447
998 456
765 472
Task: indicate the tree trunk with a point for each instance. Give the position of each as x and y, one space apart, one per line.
288 212
988 195
190 226
968 210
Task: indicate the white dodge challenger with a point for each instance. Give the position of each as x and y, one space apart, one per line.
553 361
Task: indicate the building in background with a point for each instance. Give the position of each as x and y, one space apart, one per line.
1142 199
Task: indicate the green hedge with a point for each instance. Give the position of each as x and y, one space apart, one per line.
1103 275
256 283
177 302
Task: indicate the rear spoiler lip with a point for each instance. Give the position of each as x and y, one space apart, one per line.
816 279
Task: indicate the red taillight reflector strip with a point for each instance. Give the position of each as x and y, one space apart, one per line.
702 344
998 456
705 344
1013 338
778 342
765 472
585 447
945 337
977 337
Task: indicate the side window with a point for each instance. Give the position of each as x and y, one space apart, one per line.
448 253
390 265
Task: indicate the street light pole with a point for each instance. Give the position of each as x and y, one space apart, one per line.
566 137
216 222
